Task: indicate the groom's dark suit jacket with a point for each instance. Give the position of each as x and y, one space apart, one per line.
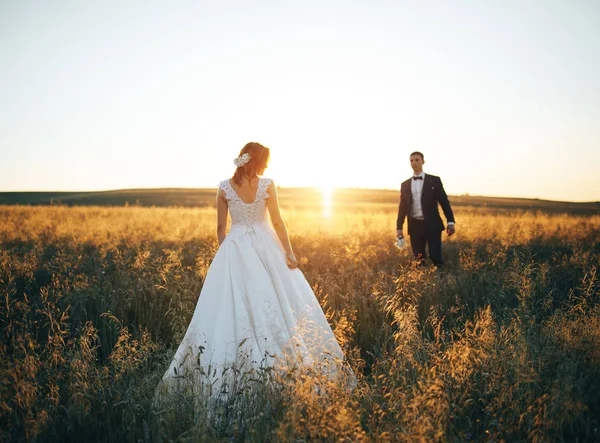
433 192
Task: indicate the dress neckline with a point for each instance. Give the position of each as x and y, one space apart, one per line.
240 198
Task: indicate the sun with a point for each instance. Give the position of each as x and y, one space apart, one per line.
327 192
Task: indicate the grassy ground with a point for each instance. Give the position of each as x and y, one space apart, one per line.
504 344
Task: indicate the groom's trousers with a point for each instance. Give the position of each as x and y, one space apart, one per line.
420 237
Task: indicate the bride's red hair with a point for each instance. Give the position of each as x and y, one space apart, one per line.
259 157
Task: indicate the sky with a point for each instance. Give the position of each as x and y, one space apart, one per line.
502 97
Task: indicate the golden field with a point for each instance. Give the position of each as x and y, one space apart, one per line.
503 344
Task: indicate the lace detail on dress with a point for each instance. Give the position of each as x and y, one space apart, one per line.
225 185
247 213
261 192
263 184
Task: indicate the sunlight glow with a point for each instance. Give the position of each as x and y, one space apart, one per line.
327 192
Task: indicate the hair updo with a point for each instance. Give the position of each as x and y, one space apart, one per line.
259 157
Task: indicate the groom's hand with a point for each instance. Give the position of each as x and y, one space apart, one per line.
450 230
399 234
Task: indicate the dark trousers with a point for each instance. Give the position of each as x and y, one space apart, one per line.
421 236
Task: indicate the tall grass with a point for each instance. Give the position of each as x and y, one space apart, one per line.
501 345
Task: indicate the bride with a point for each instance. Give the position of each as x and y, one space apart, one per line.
256 310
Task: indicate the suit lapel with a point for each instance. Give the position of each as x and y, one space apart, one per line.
424 189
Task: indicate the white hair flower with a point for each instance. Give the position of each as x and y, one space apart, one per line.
242 160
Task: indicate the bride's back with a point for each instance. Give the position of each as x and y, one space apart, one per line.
249 205
247 189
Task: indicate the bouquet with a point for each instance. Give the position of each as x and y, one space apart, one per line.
400 242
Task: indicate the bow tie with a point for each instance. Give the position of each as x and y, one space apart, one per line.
417 177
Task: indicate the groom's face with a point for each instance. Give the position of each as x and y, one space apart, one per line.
416 163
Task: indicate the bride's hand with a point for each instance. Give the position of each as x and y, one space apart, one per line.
291 261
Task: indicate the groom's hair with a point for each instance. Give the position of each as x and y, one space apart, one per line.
418 153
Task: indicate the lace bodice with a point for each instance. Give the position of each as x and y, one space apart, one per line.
247 213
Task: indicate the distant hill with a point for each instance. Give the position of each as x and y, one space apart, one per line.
361 199
142 197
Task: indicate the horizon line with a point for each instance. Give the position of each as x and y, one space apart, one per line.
315 188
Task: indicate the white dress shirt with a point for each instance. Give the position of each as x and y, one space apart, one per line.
416 189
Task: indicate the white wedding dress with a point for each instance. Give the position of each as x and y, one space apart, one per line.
253 311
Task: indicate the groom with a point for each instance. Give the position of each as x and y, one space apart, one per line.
419 197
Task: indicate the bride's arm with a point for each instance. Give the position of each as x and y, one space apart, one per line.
279 225
221 216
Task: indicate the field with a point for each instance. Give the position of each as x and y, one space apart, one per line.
357 199
503 344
